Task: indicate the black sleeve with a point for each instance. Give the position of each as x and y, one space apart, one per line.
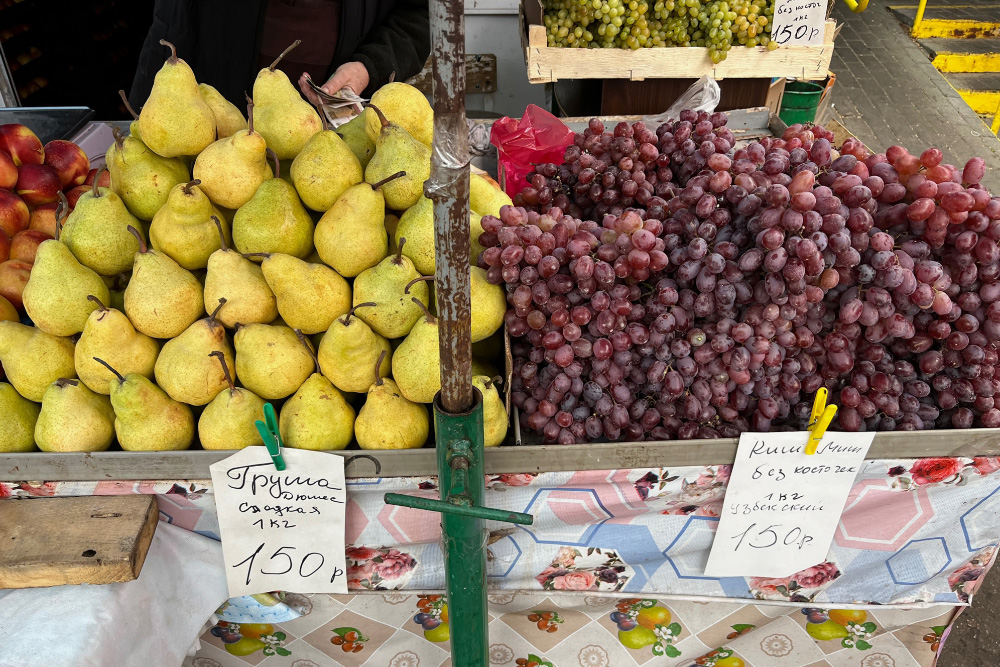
401 45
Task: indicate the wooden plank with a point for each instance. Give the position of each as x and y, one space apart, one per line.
480 75
546 64
79 540
193 465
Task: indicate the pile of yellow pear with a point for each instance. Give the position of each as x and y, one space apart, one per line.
238 260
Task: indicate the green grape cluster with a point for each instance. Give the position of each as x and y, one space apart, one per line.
636 24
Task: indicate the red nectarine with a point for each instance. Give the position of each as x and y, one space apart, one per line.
25 244
13 213
21 144
4 247
72 196
8 172
69 161
105 178
38 184
43 219
14 276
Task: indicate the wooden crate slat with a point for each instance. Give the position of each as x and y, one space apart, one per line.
87 539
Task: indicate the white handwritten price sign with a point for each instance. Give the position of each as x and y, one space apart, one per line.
798 22
782 506
282 530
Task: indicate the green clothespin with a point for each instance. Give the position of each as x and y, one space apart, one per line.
271 436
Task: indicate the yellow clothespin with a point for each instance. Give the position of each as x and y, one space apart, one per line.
819 420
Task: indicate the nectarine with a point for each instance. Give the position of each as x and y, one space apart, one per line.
8 172
38 184
43 219
14 276
13 213
69 161
24 245
21 144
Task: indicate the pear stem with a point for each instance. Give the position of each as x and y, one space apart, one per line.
97 177
173 51
378 184
265 255
427 313
128 107
222 237
283 54
61 207
222 302
277 165
406 290
143 248
119 138
398 259
225 369
121 380
381 116
64 382
249 113
495 380
188 186
378 366
346 319
312 353
100 306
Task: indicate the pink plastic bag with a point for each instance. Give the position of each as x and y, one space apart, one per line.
538 137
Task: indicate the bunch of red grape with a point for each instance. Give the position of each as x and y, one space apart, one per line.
663 285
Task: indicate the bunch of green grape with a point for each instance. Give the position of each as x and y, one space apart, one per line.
635 24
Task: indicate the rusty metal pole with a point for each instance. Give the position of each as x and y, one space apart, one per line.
458 415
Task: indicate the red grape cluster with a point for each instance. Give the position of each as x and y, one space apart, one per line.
664 285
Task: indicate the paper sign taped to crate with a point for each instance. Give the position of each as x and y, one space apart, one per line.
798 22
782 506
282 530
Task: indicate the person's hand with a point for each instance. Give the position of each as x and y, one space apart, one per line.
351 75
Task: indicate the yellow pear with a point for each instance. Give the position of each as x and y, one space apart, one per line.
186 369
17 428
416 363
74 419
387 420
495 417
396 150
489 304
238 282
351 236
285 120
404 105
228 119
390 285
324 169
183 228
274 220
34 359
97 231
146 419
316 416
309 296
175 120
355 135
109 334
271 361
231 169
141 177
348 349
55 297
228 421
485 197
162 299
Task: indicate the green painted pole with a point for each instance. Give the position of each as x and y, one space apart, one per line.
458 508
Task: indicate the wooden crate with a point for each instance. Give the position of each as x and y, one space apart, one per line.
547 64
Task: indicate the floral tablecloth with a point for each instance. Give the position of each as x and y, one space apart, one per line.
914 533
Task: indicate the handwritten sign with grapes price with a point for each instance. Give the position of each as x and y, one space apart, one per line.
782 506
282 530
798 22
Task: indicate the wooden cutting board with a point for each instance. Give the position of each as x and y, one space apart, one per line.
87 539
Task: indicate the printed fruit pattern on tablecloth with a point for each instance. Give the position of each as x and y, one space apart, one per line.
350 640
533 661
433 617
643 623
720 657
547 621
740 629
247 638
850 626
934 637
